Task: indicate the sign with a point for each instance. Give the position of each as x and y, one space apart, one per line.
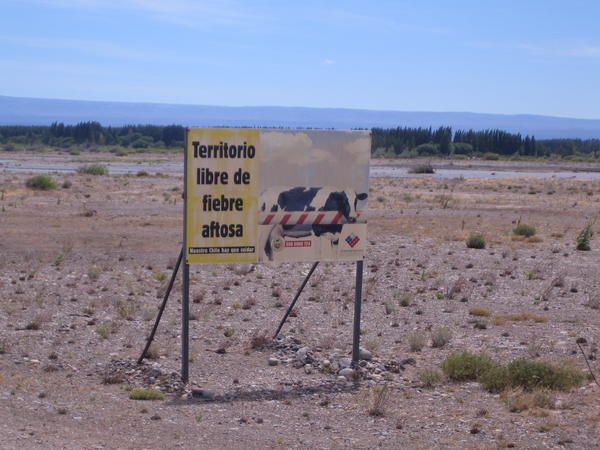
258 195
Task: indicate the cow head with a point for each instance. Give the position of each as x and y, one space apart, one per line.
345 202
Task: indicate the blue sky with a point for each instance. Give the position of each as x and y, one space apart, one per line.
534 56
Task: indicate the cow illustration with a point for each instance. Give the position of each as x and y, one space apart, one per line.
309 199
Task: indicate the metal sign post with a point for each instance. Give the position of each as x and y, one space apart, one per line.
357 307
185 298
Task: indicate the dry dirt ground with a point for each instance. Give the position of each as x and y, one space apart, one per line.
82 270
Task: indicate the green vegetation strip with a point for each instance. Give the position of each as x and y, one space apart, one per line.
520 373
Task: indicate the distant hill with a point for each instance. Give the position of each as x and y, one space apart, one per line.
32 111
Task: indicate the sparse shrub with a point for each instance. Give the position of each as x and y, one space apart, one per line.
426 168
94 273
380 397
466 366
479 312
430 377
405 300
67 184
152 353
141 173
476 240
583 238
530 374
124 308
517 400
104 330
249 303
416 341
594 301
93 169
389 307
41 182
519 317
259 340
145 394
229 331
480 324
440 337
35 324
522 229
116 378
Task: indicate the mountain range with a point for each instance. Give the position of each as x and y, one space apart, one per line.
37 111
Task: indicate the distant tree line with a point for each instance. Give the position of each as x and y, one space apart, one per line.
390 142
406 141
92 133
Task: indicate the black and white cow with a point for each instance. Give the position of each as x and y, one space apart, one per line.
323 199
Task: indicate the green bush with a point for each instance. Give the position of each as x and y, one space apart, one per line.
523 229
530 374
583 238
41 182
476 240
145 394
466 366
94 169
495 379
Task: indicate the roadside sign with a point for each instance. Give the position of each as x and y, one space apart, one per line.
257 195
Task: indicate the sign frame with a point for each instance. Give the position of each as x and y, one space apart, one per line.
185 303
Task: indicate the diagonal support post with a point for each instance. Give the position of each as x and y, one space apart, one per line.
162 308
289 310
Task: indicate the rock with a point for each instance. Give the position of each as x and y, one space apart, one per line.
308 369
407 361
365 354
347 373
273 361
303 355
344 363
206 394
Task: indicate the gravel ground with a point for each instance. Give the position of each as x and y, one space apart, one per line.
82 270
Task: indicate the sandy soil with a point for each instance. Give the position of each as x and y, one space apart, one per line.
82 270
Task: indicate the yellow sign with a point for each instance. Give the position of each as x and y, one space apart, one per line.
222 195
276 195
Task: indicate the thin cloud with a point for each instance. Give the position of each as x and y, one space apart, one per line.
96 48
328 62
188 13
562 50
565 50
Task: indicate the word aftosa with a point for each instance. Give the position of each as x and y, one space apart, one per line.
217 230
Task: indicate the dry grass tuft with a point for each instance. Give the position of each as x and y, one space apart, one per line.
380 398
479 312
